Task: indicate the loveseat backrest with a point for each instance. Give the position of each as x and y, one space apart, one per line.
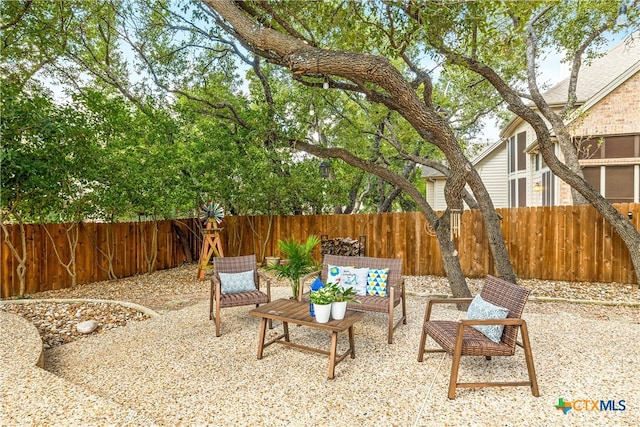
393 264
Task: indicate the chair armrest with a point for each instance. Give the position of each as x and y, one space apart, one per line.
304 279
216 288
431 302
450 300
311 275
264 278
267 281
506 322
398 285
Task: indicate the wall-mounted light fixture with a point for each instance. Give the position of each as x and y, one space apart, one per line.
630 215
537 187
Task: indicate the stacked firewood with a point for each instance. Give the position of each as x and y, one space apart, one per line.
342 246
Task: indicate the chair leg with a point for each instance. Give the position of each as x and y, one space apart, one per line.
453 381
404 309
526 346
390 337
211 304
455 364
217 321
423 342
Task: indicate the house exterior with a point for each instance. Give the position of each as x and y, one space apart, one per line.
607 133
490 165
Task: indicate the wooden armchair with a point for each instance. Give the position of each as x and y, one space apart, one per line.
396 291
461 339
233 265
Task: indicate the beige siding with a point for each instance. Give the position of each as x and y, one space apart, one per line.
493 171
435 193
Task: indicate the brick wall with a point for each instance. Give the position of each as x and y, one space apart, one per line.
616 113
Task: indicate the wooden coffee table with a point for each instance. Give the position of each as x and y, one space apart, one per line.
292 311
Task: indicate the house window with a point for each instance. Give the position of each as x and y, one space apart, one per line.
522 157
619 184
522 192
609 147
512 154
517 169
619 147
592 176
518 193
548 189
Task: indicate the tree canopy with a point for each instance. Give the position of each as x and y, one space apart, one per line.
172 102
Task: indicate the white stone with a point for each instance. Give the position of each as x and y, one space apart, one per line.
87 326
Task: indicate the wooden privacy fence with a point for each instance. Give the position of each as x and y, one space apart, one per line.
570 243
131 246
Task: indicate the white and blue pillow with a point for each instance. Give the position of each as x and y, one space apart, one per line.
481 309
334 274
355 278
377 280
234 283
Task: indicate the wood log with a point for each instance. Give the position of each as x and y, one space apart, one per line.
342 246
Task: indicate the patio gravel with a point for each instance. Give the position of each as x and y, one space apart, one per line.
172 370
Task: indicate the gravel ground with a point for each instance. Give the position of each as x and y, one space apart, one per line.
171 370
177 288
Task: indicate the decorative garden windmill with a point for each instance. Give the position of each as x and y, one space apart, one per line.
211 215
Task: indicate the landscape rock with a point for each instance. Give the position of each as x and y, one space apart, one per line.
87 326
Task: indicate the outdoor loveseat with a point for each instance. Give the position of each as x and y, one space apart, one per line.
394 292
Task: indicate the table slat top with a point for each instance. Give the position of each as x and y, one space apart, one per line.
293 311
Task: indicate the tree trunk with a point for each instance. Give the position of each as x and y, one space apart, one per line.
492 227
570 155
21 269
450 260
184 242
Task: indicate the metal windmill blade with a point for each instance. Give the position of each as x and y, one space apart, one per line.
211 210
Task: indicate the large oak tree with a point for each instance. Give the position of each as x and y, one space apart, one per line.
485 38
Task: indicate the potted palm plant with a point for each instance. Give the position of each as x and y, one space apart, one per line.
297 261
322 300
341 296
